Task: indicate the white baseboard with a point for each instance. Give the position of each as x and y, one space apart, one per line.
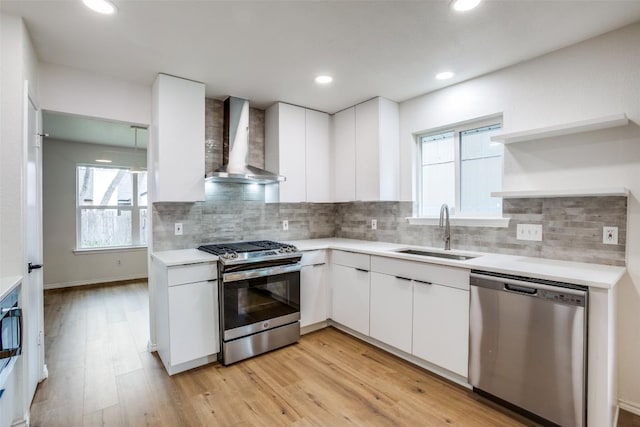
23 422
152 347
632 407
93 282
45 373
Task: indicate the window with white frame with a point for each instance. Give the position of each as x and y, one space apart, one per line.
111 207
460 166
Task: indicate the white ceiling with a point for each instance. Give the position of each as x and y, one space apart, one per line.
271 50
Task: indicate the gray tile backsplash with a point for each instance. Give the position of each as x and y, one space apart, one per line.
238 212
572 227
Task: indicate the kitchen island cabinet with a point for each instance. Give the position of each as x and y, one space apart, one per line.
186 314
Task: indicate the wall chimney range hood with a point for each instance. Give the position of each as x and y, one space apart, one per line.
235 167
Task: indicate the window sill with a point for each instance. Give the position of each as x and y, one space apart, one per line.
495 222
107 250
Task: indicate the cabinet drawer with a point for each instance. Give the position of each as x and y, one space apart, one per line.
351 259
314 257
440 274
191 273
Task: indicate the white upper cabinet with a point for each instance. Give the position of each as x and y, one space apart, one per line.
366 152
344 155
297 146
177 140
318 157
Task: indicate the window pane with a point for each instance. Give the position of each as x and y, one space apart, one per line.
143 226
438 185
142 189
438 148
104 186
480 171
105 227
438 172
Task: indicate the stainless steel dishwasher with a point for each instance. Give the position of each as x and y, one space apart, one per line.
528 345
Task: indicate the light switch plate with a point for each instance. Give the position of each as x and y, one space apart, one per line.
285 225
178 228
610 235
531 232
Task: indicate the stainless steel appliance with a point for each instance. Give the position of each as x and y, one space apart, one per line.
259 293
528 345
235 148
10 333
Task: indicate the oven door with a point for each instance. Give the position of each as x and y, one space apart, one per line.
259 299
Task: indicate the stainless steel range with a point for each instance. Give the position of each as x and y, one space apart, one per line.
259 293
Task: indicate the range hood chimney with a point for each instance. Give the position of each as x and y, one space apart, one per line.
235 167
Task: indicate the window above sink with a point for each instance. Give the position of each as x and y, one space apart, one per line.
460 166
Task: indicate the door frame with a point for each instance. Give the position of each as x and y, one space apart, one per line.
34 306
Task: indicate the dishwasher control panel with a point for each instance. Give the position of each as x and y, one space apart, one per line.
563 298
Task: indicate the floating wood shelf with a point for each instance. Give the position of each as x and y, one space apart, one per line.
614 120
592 192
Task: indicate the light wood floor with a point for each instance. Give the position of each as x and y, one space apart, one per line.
100 374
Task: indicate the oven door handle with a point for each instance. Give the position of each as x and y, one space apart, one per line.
260 272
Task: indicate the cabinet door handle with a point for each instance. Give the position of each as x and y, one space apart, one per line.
423 282
403 278
316 265
362 269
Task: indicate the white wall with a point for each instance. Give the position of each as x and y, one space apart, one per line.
18 63
595 78
73 91
64 267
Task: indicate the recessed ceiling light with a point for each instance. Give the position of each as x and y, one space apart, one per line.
323 80
445 75
101 6
464 5
103 161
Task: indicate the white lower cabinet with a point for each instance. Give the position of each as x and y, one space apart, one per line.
350 297
193 325
313 294
187 321
441 326
391 310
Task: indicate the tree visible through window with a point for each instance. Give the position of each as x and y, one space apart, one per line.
460 167
111 207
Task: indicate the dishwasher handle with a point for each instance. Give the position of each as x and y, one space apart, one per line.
524 287
520 289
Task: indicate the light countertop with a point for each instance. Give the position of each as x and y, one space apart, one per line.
183 256
7 284
578 273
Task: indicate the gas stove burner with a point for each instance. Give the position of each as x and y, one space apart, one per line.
240 252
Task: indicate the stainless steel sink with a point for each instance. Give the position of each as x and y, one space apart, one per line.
436 254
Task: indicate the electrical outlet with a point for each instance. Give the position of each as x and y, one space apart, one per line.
178 228
119 263
610 235
374 224
285 225
531 232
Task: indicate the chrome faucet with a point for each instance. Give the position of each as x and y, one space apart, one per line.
444 211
